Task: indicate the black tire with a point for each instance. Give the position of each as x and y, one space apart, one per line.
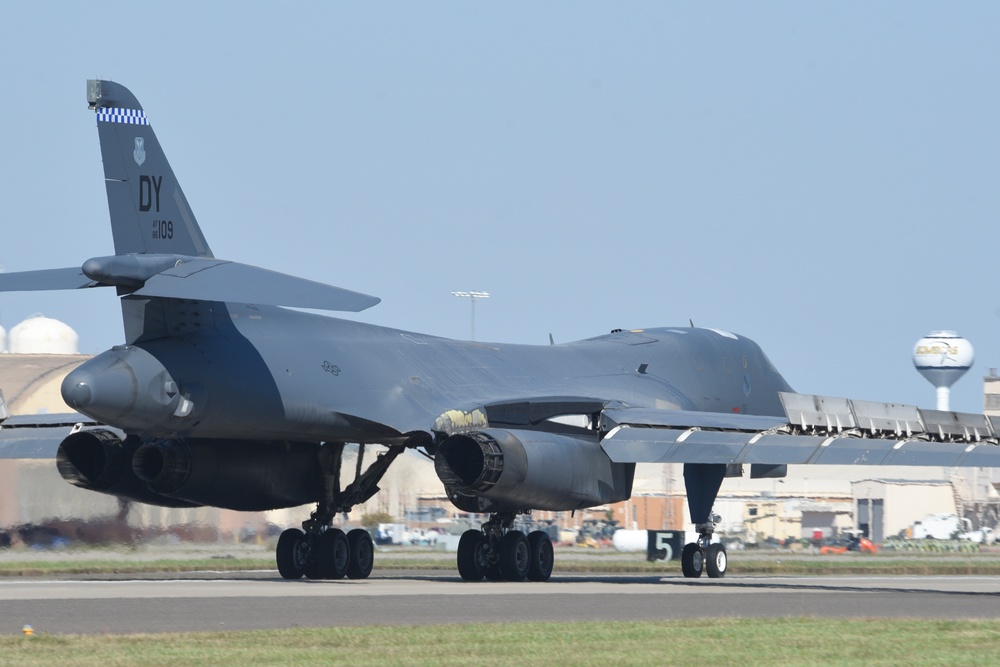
332 556
692 561
542 556
716 561
515 556
472 555
290 554
337 551
362 551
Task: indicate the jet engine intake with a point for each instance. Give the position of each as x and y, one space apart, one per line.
473 462
498 470
99 460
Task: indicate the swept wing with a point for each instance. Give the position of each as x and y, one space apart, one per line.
814 430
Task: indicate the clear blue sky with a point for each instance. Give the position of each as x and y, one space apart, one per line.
821 177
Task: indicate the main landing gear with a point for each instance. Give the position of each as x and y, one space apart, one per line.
320 551
500 553
701 556
328 555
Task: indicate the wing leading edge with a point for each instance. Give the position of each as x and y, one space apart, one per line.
37 436
815 430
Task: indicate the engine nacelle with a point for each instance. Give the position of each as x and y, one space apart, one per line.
246 476
99 460
497 470
238 475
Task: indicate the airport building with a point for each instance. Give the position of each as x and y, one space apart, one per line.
991 393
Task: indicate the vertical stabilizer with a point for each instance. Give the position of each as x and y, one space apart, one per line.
149 213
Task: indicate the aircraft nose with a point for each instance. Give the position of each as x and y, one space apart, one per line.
77 393
102 387
109 388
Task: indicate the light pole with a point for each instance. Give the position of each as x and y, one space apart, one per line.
472 296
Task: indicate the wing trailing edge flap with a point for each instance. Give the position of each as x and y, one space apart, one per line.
816 430
654 445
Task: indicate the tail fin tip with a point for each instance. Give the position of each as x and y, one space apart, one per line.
149 213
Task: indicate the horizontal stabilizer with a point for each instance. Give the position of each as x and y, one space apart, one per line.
218 280
200 279
46 279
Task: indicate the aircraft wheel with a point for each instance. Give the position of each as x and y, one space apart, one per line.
515 556
291 554
542 556
692 560
472 561
337 553
362 554
716 561
332 556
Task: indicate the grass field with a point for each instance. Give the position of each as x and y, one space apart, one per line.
772 642
786 641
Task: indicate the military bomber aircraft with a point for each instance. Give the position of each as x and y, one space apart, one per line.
221 396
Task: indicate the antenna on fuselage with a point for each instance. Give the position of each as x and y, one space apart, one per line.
691 322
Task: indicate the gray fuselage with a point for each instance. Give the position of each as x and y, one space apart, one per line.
265 373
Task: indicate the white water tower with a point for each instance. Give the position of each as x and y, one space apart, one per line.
942 357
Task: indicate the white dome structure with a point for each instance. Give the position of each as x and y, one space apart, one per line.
43 335
943 357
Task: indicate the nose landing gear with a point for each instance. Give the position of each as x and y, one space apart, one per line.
702 482
703 556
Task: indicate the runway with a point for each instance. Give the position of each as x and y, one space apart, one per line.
255 600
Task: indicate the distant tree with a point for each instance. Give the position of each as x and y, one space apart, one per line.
373 519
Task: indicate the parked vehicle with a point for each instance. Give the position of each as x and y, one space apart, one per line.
981 536
941 527
854 542
391 533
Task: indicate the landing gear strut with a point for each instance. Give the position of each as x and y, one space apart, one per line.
500 553
320 551
702 482
703 555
